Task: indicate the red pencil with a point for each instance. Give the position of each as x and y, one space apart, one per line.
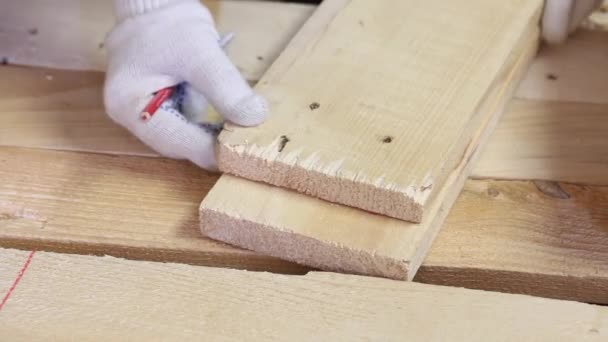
157 100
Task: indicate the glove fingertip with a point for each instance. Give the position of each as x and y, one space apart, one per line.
251 110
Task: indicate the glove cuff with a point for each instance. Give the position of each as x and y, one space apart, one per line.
125 9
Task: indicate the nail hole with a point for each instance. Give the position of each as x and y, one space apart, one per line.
260 58
33 31
101 45
283 142
552 77
314 105
426 187
387 139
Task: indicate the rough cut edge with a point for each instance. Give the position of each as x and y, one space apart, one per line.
299 248
334 188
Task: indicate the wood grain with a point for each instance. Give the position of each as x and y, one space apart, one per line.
93 298
286 224
573 72
561 141
60 110
548 239
63 110
139 208
388 144
72 37
503 236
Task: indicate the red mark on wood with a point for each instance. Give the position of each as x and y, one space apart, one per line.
17 280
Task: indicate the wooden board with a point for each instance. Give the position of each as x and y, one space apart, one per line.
563 141
63 110
293 226
72 37
141 208
540 238
66 113
92 298
503 236
390 142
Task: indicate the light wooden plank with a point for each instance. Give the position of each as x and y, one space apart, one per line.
10 271
563 141
380 140
293 226
92 298
72 37
539 238
58 109
573 72
63 110
505 236
141 208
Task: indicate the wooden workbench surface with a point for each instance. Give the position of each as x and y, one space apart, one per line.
72 181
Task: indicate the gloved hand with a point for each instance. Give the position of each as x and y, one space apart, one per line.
562 17
160 43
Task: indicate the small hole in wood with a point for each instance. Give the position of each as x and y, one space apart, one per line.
314 105
552 77
33 31
387 139
283 142
426 187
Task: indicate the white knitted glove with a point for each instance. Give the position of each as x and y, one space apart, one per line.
160 43
562 17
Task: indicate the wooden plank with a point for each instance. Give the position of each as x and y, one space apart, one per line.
573 72
63 110
293 226
72 38
404 131
133 300
539 238
562 141
140 208
504 236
